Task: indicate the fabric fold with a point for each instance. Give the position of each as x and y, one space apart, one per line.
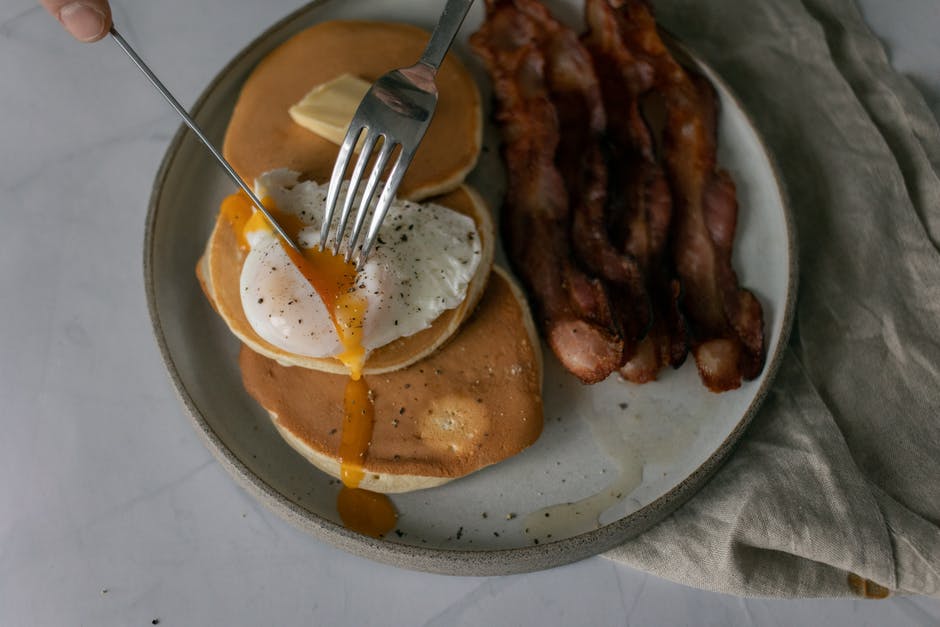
838 478
780 514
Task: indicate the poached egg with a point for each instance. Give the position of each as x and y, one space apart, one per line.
421 266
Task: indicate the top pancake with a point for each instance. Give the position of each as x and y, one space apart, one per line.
261 135
219 271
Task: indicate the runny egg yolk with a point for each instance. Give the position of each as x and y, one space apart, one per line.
333 278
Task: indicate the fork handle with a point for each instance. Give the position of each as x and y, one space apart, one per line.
445 31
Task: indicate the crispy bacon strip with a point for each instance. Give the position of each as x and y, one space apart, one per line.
726 321
648 215
640 204
576 95
574 309
575 92
623 77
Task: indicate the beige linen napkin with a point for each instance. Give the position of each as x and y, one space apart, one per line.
835 487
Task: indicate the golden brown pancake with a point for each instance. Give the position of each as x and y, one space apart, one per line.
261 135
219 272
473 403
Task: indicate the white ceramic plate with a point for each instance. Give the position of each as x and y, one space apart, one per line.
614 458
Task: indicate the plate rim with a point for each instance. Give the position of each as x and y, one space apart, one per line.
473 562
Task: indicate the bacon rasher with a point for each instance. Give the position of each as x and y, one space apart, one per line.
639 204
567 198
575 311
725 320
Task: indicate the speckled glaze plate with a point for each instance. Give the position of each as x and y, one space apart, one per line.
614 458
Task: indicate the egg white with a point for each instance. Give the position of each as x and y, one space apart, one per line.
422 263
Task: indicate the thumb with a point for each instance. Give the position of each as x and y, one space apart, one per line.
86 20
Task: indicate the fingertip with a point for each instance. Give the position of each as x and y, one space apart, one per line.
86 21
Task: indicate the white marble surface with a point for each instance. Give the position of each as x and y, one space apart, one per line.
111 510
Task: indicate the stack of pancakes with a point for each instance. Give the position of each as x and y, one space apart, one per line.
456 397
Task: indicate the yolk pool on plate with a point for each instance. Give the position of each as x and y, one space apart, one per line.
366 512
333 279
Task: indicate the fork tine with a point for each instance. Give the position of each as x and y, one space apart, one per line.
385 202
367 146
381 161
336 180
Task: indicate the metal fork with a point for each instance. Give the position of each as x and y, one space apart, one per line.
397 110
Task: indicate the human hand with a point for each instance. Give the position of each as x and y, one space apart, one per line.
86 20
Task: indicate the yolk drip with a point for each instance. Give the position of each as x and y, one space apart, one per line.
356 433
237 210
334 280
366 512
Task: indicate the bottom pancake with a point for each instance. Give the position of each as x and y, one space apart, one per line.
473 403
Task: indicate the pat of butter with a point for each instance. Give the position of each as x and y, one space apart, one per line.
328 109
